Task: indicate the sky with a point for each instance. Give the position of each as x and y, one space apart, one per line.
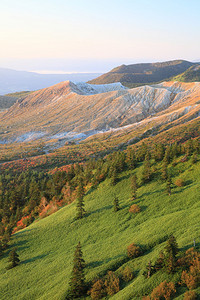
53 36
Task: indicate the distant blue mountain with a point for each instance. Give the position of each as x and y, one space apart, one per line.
15 81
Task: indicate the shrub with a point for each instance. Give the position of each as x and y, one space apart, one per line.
190 295
134 209
133 251
190 280
179 182
165 290
98 290
127 274
111 283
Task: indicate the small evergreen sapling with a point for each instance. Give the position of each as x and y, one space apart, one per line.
134 187
116 204
13 259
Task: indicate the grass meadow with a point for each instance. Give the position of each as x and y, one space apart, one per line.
47 246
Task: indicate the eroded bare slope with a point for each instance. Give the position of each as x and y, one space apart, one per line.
84 108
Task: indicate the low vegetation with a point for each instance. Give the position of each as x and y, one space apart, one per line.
123 255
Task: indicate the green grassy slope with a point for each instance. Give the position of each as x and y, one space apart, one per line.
190 75
46 247
144 72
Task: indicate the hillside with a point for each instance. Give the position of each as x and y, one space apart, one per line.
6 102
66 111
137 74
190 75
46 247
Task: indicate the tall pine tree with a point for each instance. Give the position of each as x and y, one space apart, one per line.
80 202
171 251
77 280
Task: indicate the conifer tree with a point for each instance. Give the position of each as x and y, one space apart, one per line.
167 157
134 187
80 202
171 251
130 158
116 204
168 185
194 158
114 176
164 172
13 259
77 280
147 168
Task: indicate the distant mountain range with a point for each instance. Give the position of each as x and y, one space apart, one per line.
12 81
144 73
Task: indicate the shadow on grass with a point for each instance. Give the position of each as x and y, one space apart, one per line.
100 210
123 177
197 246
188 182
33 259
111 264
94 264
21 245
20 232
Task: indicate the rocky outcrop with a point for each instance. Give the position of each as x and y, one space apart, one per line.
67 108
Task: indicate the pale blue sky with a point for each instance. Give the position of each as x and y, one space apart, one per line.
94 36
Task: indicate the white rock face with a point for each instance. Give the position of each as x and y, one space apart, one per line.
92 89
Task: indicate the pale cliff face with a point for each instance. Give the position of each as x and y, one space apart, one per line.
82 108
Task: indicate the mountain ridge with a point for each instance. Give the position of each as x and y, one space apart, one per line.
67 108
144 73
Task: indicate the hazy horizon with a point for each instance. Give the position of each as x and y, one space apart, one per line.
89 36
78 66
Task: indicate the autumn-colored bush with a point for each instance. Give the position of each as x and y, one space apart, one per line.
134 209
111 283
133 251
98 290
190 295
165 290
127 274
191 278
179 182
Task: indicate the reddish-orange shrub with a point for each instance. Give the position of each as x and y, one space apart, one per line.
190 295
111 283
179 182
191 278
165 290
98 290
134 209
133 251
